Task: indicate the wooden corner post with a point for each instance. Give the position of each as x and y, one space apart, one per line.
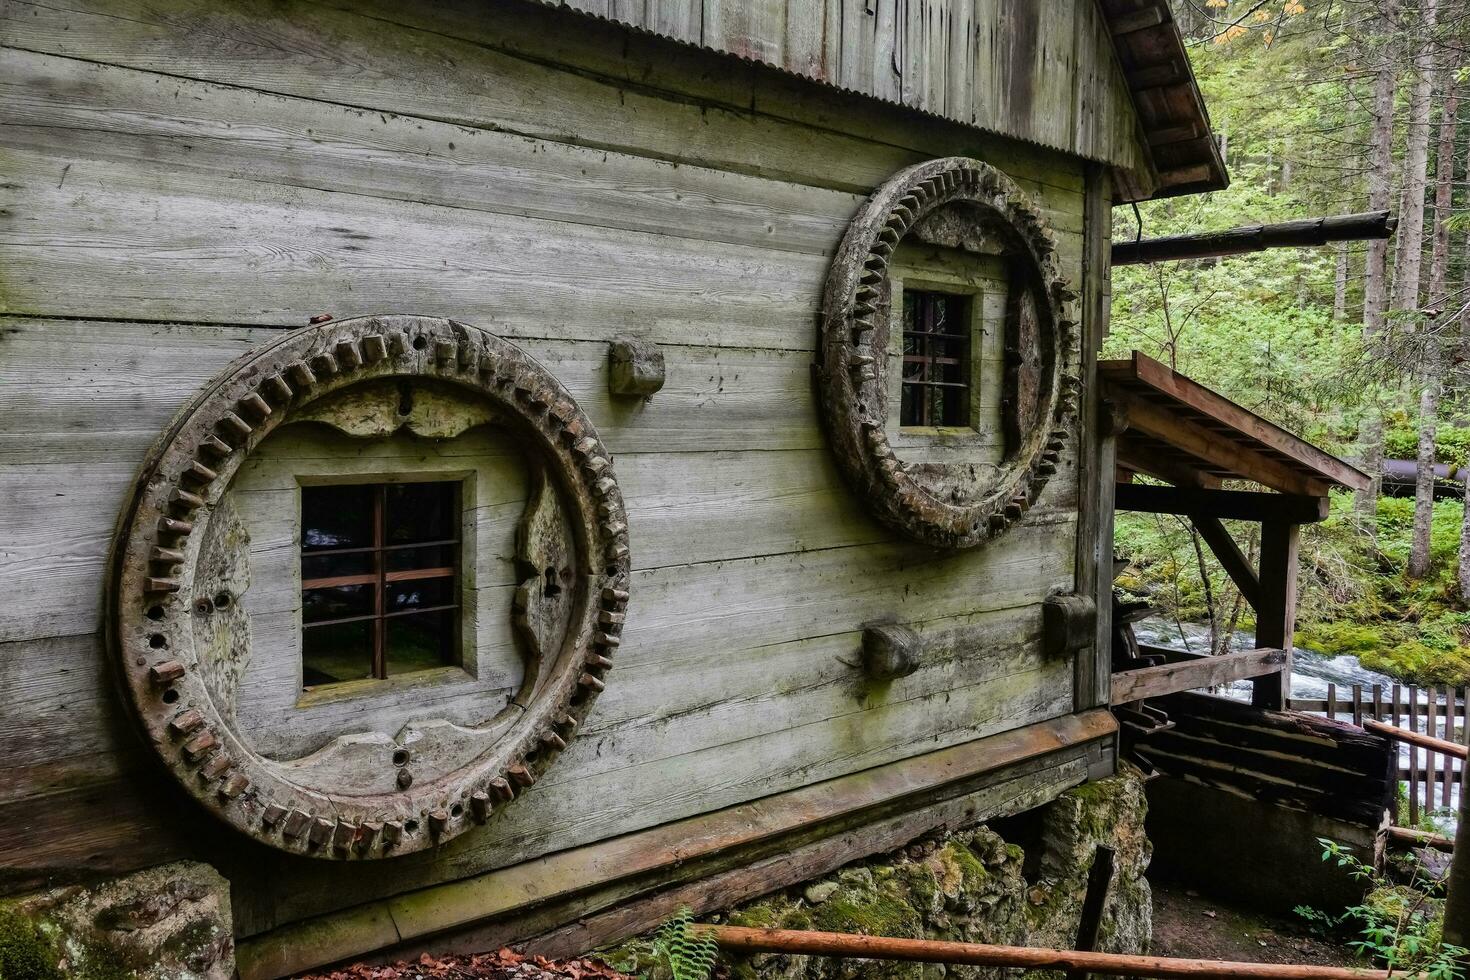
1276 613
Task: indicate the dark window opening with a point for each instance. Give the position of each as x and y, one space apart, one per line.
379 580
936 359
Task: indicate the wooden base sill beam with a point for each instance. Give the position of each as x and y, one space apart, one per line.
580 898
1189 675
800 942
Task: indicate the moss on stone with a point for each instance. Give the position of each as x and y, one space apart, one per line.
26 951
871 915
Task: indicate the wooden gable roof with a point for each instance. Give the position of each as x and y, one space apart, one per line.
1108 80
1180 431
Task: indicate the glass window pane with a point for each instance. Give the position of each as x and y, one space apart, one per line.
337 602
420 641
335 566
421 512
432 556
336 517
340 652
420 593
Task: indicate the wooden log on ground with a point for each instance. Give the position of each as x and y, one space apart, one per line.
1405 837
977 954
1417 738
1257 238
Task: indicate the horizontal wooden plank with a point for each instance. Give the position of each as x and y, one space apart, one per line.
1189 675
687 507
973 781
347 57
1231 505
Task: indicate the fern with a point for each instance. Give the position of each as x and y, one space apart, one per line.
690 957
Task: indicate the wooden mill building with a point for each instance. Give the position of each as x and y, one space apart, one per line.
474 466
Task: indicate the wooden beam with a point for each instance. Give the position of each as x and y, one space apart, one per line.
1406 837
1231 558
1155 682
1230 505
1144 370
636 864
1215 448
847 945
1276 608
1415 738
1253 238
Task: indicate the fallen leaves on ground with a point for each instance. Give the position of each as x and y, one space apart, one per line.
503 964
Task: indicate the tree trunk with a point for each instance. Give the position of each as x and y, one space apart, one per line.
1339 284
1424 470
1416 168
1375 271
1433 367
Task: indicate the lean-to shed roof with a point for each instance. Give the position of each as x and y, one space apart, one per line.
1108 80
1180 431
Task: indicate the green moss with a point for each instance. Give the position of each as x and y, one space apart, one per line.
972 870
875 915
26 951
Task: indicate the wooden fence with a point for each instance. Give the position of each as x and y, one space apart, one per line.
1437 711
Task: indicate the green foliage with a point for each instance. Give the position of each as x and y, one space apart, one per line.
690 956
1451 443
1398 926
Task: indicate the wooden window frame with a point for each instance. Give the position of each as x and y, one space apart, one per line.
380 578
924 386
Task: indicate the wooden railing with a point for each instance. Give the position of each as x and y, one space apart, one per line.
1439 712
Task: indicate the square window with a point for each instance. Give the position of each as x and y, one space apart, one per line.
935 388
379 580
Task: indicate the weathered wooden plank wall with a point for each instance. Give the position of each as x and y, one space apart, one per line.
185 178
1029 69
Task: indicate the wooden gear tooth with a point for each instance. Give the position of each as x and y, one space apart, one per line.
200 473
156 585
599 662
344 835
217 765
321 831
166 672
368 834
554 742
520 775
397 347
480 805
272 814
323 365
200 745
166 556
232 425
618 596
591 683
277 390
170 527
438 821
392 832
609 640
374 348
347 355
300 374
296 823
501 788
254 406
445 352
184 500
185 722
215 446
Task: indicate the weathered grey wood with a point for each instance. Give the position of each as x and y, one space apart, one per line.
1201 672
1276 613
465 82
806 827
1237 505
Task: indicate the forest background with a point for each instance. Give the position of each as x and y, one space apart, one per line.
1327 107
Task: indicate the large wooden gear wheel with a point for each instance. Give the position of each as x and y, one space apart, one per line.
950 507
154 606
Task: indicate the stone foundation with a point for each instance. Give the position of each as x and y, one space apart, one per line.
1020 881
172 921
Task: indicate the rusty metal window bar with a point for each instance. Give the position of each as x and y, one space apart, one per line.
380 566
935 387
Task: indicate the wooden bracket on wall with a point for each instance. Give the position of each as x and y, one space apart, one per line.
1069 623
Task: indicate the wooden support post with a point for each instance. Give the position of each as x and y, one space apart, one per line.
1457 901
1276 614
1099 878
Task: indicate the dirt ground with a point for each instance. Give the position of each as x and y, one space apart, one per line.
502 964
1187 925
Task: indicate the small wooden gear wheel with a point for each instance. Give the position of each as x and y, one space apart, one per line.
173 681
947 504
